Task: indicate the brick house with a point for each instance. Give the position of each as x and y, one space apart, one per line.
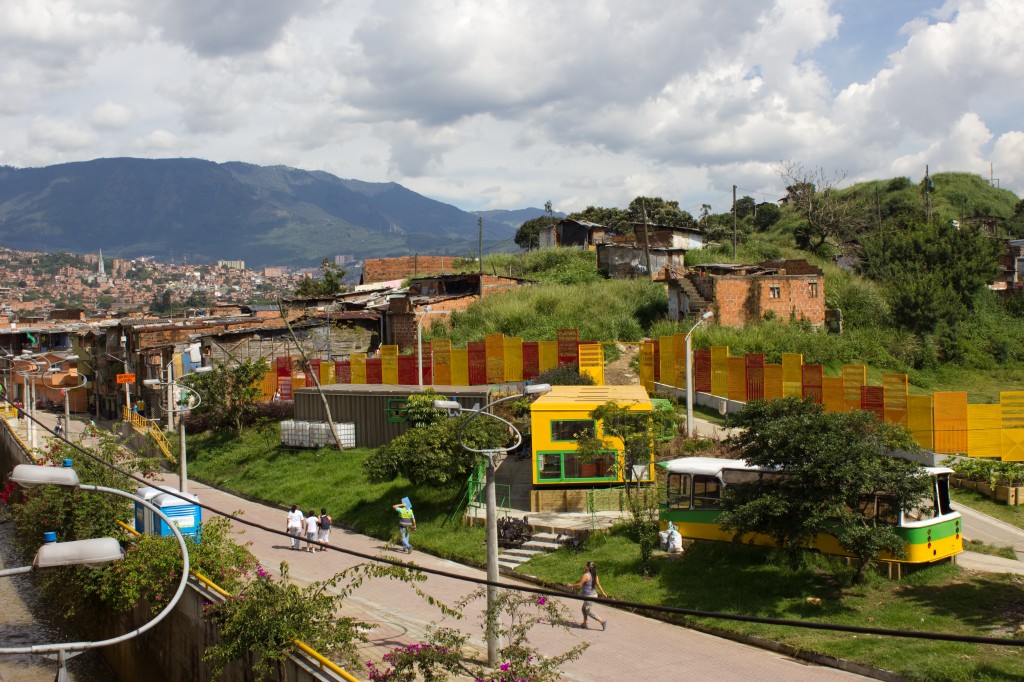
387 269
743 294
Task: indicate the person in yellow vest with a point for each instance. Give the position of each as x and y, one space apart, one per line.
406 524
142 407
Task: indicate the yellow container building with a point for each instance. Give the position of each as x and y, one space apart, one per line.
558 416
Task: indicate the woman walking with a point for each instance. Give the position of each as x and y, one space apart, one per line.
323 535
312 524
294 525
590 584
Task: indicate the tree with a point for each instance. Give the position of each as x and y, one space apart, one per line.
163 303
827 217
329 284
830 465
197 299
229 393
528 235
744 207
767 215
658 211
637 432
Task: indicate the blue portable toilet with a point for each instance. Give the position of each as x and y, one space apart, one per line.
186 515
144 517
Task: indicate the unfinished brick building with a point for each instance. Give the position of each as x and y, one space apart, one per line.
742 294
403 267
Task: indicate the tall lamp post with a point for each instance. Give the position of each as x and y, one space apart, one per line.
67 400
189 400
90 552
32 361
489 493
689 371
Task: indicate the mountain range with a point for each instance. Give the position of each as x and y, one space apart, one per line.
174 209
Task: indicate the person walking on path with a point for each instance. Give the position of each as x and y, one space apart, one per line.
406 524
590 584
323 535
312 525
294 526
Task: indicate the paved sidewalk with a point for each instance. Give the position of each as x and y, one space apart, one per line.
633 647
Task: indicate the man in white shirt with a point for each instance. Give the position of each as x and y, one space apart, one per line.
294 527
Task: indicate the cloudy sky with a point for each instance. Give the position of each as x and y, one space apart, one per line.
505 104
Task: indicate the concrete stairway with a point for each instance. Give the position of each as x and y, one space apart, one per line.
697 302
539 543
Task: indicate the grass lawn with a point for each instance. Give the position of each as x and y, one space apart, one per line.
710 576
755 581
986 505
258 467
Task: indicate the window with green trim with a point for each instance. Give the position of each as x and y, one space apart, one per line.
549 466
574 467
571 429
396 410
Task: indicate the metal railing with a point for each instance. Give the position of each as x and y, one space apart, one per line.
149 427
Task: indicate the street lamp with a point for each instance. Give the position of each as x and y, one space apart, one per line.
91 552
689 371
33 361
489 493
67 401
189 400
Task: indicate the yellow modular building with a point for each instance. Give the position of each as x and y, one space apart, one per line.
559 415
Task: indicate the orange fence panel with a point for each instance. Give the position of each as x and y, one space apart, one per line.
1013 425
442 368
832 394
984 426
667 359
894 387
647 366
854 376
591 359
919 420
513 358
494 347
679 353
772 382
737 387
950 422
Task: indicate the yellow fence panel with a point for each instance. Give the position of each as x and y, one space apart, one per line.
268 385
720 371
327 372
592 361
666 345
984 424
832 394
298 381
1013 425
854 376
389 364
772 382
737 379
513 358
894 390
647 367
441 370
460 367
357 367
679 357
950 422
792 375
919 420
494 347
547 355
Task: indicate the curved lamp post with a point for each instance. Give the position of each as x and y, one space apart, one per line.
689 371
492 513
188 399
30 389
87 552
67 400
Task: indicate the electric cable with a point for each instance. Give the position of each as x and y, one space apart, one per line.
547 592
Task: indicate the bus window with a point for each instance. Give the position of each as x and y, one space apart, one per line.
740 476
922 510
942 496
678 489
707 492
888 511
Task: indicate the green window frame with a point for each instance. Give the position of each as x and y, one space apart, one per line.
565 430
558 466
396 410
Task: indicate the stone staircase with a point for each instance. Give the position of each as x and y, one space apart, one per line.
539 543
698 304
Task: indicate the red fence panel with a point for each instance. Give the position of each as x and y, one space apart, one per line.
407 370
755 376
702 371
477 353
531 360
343 372
872 399
284 367
374 371
568 346
812 381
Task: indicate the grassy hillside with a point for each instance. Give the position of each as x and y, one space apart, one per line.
982 351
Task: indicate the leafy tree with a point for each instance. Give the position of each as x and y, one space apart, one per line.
744 207
528 235
830 463
767 215
162 303
658 211
932 272
229 393
615 219
330 282
104 301
637 432
197 299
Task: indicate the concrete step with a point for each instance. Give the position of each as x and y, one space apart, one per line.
548 537
542 545
525 553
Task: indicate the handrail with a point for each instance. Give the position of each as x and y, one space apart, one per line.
148 427
302 646
24 446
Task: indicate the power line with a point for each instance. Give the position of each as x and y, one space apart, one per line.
617 603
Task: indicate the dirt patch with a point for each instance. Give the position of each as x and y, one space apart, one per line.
621 372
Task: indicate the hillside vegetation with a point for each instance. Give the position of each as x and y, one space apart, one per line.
914 299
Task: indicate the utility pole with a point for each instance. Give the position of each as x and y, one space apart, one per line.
647 240
480 226
734 222
127 392
881 234
927 195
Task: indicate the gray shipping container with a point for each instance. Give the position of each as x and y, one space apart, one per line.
376 409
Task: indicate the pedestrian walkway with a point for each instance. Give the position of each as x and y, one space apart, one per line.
654 650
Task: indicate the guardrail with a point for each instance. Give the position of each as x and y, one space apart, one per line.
148 427
322 662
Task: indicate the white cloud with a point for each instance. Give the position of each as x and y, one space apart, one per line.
60 136
111 116
157 141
